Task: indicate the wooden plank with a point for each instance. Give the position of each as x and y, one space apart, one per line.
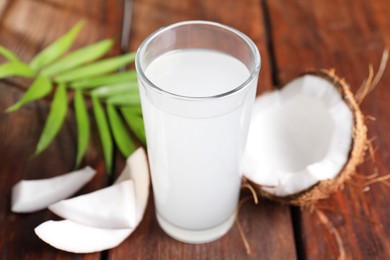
23 33
347 36
267 226
3 6
148 16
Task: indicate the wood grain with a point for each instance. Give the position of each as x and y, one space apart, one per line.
25 34
267 226
292 36
347 36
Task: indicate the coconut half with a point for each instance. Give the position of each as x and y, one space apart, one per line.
305 140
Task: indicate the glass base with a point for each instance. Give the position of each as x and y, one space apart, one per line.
196 236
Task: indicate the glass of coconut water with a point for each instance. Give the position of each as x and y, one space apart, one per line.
197 82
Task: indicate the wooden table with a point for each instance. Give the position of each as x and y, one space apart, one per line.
293 36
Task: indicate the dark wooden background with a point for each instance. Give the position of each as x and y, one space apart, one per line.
293 36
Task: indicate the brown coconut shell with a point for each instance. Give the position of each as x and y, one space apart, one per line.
323 189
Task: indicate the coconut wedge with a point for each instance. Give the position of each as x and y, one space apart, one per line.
305 140
33 195
111 207
137 169
102 219
77 238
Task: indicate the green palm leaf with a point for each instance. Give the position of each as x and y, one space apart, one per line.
82 71
83 127
128 99
115 89
57 48
8 54
136 110
55 119
121 136
96 69
104 133
128 76
79 57
135 121
39 88
15 68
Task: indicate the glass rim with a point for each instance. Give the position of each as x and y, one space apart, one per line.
247 40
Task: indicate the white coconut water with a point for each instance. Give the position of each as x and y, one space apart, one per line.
195 161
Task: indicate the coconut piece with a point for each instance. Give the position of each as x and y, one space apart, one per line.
111 207
74 237
137 169
77 238
304 140
34 195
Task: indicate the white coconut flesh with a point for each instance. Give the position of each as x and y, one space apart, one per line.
111 207
34 195
77 238
102 219
121 205
298 136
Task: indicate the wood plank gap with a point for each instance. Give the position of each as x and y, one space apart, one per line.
126 25
14 84
103 9
104 255
270 45
125 35
297 232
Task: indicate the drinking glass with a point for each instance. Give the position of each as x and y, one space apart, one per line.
196 123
